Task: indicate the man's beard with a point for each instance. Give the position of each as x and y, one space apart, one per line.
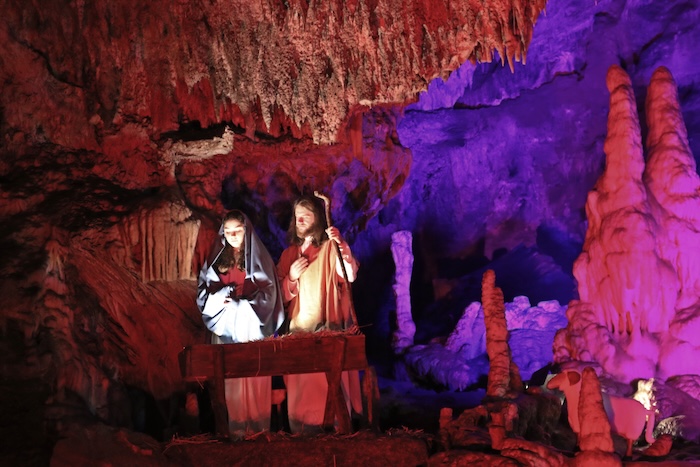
305 232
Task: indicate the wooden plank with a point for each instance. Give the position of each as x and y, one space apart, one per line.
335 401
329 354
273 357
370 396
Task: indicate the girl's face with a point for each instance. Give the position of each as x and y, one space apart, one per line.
234 233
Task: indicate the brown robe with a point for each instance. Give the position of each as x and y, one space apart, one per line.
323 301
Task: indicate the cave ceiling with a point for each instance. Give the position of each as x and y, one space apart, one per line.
76 72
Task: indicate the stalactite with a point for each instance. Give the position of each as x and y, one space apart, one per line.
402 251
54 264
258 64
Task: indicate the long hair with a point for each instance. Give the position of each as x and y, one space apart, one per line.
227 259
317 231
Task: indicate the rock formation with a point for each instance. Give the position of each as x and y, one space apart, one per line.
102 68
462 361
637 275
401 249
595 427
504 376
120 121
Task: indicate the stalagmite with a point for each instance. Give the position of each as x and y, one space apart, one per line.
401 249
675 186
595 427
504 378
503 373
621 231
639 272
672 178
444 421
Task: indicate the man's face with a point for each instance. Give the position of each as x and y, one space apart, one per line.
305 220
234 233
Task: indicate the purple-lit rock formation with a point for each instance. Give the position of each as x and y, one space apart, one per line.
402 251
462 360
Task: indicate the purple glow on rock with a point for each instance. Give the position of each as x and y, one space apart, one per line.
502 163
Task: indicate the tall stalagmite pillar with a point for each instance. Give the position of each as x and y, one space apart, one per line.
504 377
402 250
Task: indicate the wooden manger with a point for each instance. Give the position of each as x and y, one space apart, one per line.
313 353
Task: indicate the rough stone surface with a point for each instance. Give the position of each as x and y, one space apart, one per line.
595 427
291 68
504 376
402 251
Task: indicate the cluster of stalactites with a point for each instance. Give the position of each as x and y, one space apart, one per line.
276 67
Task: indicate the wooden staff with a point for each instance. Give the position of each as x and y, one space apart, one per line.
327 206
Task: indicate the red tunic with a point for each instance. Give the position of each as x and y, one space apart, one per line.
235 277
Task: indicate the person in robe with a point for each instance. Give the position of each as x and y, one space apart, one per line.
316 298
240 300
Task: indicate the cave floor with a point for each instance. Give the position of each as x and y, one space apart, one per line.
408 437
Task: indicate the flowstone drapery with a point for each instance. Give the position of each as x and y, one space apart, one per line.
167 236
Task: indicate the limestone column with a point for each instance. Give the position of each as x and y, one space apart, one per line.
402 251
